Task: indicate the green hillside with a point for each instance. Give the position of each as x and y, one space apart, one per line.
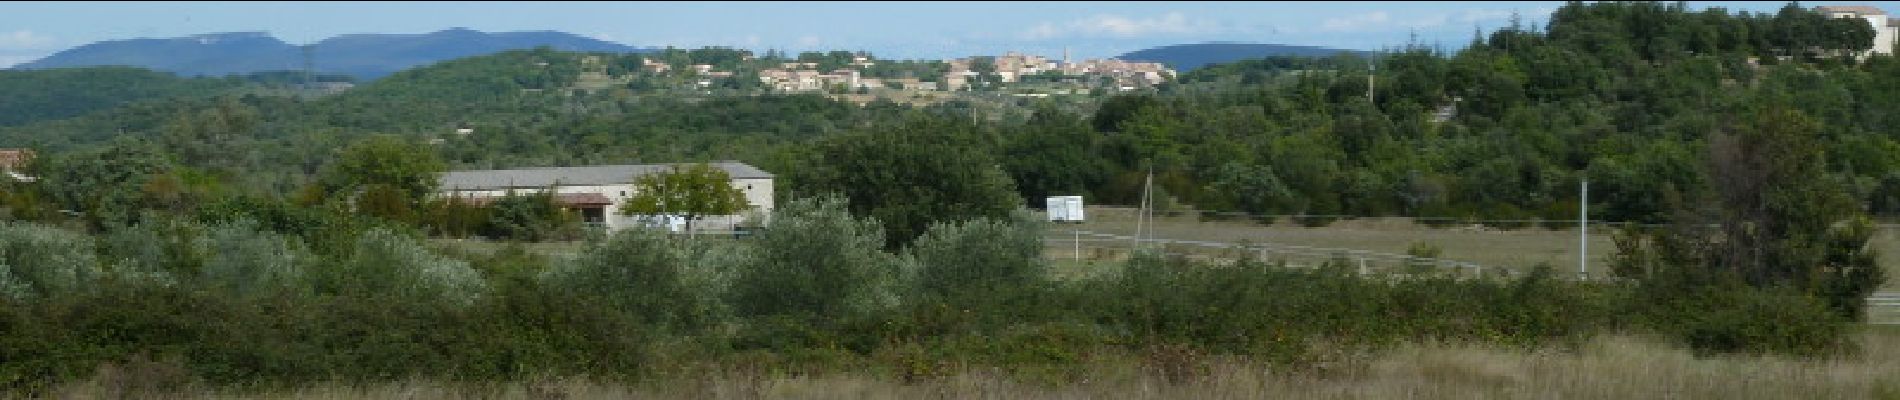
1525 114
36 95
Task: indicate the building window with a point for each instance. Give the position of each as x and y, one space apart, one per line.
748 187
623 193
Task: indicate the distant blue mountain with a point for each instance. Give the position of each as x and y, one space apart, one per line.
364 56
1186 57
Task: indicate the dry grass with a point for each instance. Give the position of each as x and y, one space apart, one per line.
1491 247
1613 367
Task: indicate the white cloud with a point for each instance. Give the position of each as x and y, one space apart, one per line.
1432 21
1119 26
1480 15
1356 22
752 40
1381 20
808 41
8 61
24 39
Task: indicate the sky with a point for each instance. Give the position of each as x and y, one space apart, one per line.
901 30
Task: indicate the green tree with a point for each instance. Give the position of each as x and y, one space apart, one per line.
106 185
1054 154
1779 211
410 170
532 216
692 190
923 172
1773 220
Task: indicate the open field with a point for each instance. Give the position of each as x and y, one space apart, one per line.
1611 367
1491 247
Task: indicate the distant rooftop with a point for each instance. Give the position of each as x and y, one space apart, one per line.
11 159
588 175
1862 10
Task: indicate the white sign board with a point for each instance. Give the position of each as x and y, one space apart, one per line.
671 223
1065 208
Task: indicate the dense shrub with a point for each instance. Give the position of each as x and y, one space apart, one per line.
37 260
532 217
980 262
814 292
1740 319
1282 315
817 261
386 264
247 261
645 273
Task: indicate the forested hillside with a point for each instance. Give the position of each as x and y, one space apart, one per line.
56 94
1626 94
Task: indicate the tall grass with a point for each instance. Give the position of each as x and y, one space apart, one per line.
1608 367
814 300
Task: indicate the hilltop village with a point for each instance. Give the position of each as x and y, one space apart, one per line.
859 76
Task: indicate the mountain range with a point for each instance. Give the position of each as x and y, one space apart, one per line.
372 56
363 56
1187 57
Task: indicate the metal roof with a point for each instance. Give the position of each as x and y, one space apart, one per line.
564 199
1862 10
569 176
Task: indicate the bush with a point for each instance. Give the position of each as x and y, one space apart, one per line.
1315 221
1507 217
385 264
532 217
1558 215
159 247
324 230
817 261
978 263
40 261
645 274
1741 319
247 261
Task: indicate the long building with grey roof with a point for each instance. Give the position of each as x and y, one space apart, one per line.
597 192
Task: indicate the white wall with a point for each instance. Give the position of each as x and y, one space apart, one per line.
758 193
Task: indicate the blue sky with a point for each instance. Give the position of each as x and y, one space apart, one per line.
30 30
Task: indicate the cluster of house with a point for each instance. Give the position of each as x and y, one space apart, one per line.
1008 68
1013 66
800 77
1886 30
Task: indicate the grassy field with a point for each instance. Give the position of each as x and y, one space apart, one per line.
1518 248
1610 367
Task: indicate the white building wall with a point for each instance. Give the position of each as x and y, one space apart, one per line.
758 193
1884 37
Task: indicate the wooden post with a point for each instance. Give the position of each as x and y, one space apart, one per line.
1078 245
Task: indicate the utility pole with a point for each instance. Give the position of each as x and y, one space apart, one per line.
1583 232
309 64
1141 215
1372 82
1147 195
